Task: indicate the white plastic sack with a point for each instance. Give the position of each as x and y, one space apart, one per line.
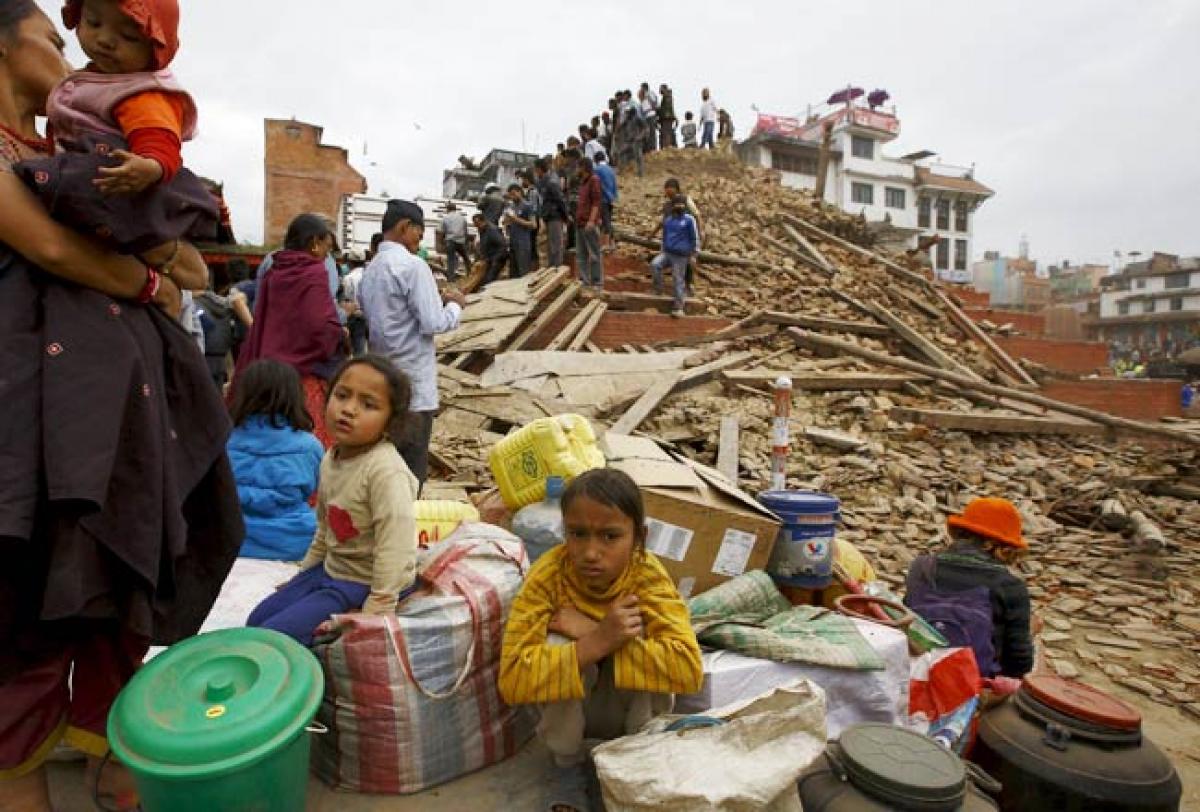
851 696
749 763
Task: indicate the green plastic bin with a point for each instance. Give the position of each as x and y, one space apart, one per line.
219 722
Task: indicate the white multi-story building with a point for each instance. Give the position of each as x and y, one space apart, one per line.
911 194
1151 305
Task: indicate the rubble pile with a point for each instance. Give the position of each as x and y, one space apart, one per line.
901 408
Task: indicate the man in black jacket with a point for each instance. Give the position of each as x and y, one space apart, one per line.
554 210
492 248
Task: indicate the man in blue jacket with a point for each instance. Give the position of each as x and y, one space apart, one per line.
681 241
608 188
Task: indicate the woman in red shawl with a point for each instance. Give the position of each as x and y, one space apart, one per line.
295 319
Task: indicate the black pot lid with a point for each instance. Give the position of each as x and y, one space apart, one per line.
898 765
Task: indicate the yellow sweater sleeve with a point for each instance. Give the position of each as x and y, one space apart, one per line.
391 495
667 659
532 671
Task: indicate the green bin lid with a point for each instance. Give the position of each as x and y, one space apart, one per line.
901 767
215 703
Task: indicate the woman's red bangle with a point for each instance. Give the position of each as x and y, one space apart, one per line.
150 289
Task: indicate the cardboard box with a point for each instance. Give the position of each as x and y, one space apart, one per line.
703 529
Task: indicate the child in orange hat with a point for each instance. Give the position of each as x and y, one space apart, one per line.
119 125
969 592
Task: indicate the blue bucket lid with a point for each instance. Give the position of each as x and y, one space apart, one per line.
799 501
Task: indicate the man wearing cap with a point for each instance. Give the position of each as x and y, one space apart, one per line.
404 311
986 542
454 231
492 203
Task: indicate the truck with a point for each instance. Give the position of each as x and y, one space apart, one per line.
360 216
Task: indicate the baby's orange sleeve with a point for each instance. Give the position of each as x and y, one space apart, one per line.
152 110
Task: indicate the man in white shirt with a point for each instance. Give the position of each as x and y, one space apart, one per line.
708 120
404 311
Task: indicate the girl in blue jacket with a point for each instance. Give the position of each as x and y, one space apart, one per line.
276 460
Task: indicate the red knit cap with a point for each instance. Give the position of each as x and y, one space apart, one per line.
159 21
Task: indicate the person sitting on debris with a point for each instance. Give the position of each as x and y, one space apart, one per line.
681 241
363 556
275 461
969 594
492 248
687 130
597 626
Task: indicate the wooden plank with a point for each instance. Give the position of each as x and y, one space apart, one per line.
916 301
823 324
647 403
544 288
835 439
717 335
460 336
812 249
583 337
457 375
625 300
920 343
727 449
565 336
898 270
820 382
591 347
702 374
990 423
548 315
808 261
972 329
817 341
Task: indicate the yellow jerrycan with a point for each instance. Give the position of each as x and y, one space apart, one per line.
563 445
438 518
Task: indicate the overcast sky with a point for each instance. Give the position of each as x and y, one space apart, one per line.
1082 115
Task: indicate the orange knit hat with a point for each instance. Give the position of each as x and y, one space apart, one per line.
159 20
992 518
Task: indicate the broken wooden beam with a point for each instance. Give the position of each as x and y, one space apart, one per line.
820 382
991 423
835 439
646 404
554 277
728 449
1146 534
626 300
583 337
824 324
920 343
803 242
567 334
1002 359
784 248
898 270
817 341
548 315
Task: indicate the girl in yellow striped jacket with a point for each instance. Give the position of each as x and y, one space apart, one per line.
598 629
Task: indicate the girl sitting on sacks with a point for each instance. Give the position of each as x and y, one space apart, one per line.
598 633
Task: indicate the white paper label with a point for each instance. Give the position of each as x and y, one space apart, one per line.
734 553
667 540
685 587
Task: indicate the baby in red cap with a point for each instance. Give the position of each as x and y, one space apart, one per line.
119 125
970 594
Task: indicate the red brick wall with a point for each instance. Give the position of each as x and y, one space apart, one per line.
1069 357
1033 324
617 328
303 175
1137 400
973 298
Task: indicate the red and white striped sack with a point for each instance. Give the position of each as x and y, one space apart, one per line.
411 700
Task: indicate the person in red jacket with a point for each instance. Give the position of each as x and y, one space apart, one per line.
588 258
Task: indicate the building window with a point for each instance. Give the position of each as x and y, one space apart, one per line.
1141 284
1177 303
943 255
1150 306
943 215
893 198
960 216
862 193
960 255
923 212
1176 280
1123 308
862 147
799 164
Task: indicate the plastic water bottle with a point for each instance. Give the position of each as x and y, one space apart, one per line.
540 525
